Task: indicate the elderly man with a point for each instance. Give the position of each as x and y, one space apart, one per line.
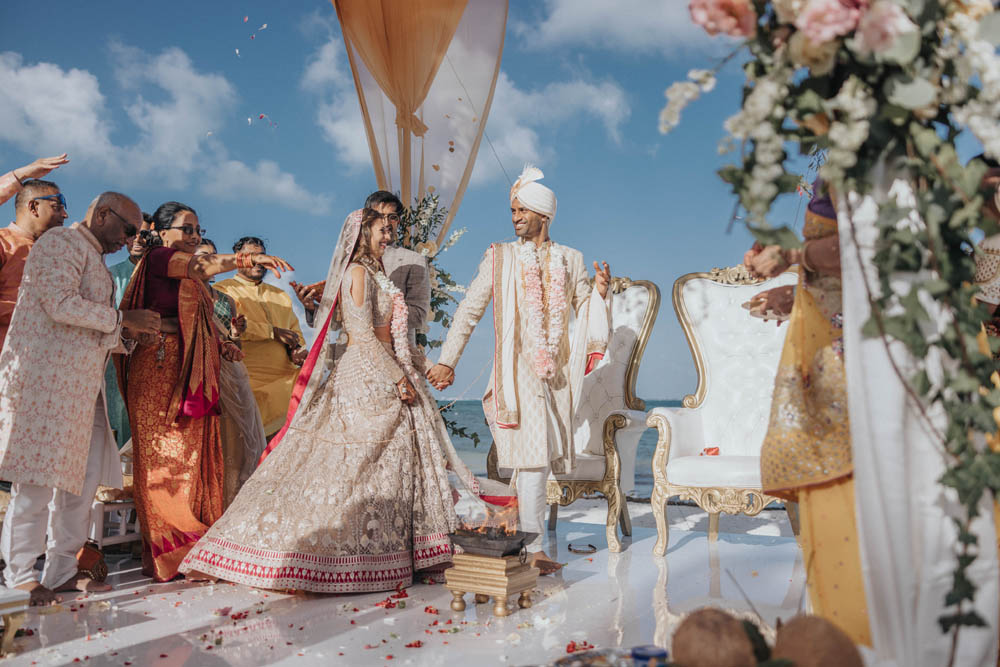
537 371
406 269
273 346
55 441
39 206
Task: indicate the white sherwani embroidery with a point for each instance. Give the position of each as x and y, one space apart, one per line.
52 365
530 419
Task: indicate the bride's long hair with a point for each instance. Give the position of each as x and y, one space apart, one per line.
363 249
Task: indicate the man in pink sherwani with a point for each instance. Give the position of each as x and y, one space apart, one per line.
55 442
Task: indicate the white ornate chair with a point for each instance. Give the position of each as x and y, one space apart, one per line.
610 418
736 357
115 508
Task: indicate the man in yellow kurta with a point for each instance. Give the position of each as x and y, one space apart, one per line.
272 343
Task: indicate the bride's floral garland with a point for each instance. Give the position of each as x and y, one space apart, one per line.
546 342
398 325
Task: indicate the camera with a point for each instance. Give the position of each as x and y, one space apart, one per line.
148 238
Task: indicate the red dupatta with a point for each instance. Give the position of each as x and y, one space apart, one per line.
197 391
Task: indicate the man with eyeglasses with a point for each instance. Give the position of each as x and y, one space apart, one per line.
273 346
55 441
38 207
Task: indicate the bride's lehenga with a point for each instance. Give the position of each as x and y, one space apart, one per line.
356 497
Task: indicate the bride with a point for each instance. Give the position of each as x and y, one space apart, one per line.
356 496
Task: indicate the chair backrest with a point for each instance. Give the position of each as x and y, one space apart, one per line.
611 384
736 356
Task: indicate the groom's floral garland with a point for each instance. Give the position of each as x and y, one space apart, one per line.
398 324
546 342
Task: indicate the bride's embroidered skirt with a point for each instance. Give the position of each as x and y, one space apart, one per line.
354 498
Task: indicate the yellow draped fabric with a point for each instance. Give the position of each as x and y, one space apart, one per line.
272 374
806 455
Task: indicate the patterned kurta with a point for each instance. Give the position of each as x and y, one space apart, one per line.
272 374
52 365
529 445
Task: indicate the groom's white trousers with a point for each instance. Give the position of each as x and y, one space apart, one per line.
531 504
35 511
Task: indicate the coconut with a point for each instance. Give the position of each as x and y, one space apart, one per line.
712 638
812 641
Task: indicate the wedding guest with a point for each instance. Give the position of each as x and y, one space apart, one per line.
55 441
240 426
537 370
38 207
171 389
354 494
806 456
121 273
273 345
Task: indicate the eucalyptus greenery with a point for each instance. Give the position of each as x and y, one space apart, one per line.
887 89
418 230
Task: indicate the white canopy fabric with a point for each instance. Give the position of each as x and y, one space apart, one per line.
908 540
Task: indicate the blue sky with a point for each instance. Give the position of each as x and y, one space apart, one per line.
151 99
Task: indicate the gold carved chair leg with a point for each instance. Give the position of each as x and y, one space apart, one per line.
11 624
713 526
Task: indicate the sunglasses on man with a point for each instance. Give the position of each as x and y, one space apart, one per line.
130 229
57 200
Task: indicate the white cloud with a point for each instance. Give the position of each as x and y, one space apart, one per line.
49 110
641 26
234 180
518 121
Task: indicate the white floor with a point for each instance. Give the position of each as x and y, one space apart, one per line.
606 599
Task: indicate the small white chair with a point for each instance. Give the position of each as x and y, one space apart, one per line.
116 507
610 418
736 357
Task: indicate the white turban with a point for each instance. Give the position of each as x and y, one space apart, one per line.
535 196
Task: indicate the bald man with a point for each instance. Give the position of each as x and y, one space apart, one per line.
56 445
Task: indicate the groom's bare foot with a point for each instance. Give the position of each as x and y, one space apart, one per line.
40 595
544 564
83 583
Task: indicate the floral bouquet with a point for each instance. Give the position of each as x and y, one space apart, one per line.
883 85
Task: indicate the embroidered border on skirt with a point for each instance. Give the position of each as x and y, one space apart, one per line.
301 571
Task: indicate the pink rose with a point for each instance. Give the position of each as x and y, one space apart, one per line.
825 20
732 17
880 26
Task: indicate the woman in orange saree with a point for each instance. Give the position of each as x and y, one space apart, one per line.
171 388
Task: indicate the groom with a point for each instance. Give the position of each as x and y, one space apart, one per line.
537 370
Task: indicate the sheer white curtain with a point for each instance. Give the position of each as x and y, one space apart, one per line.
908 541
425 72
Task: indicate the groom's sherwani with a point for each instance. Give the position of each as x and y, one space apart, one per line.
531 419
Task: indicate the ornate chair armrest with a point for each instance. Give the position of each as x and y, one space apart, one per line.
677 428
625 441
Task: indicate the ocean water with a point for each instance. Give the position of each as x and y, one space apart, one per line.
470 415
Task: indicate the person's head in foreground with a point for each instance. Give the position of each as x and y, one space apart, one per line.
532 206
39 206
388 206
375 235
114 220
712 638
812 641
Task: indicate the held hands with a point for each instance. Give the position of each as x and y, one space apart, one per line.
40 167
298 355
141 321
406 392
441 376
275 264
774 303
602 279
230 352
238 326
286 337
309 295
771 260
